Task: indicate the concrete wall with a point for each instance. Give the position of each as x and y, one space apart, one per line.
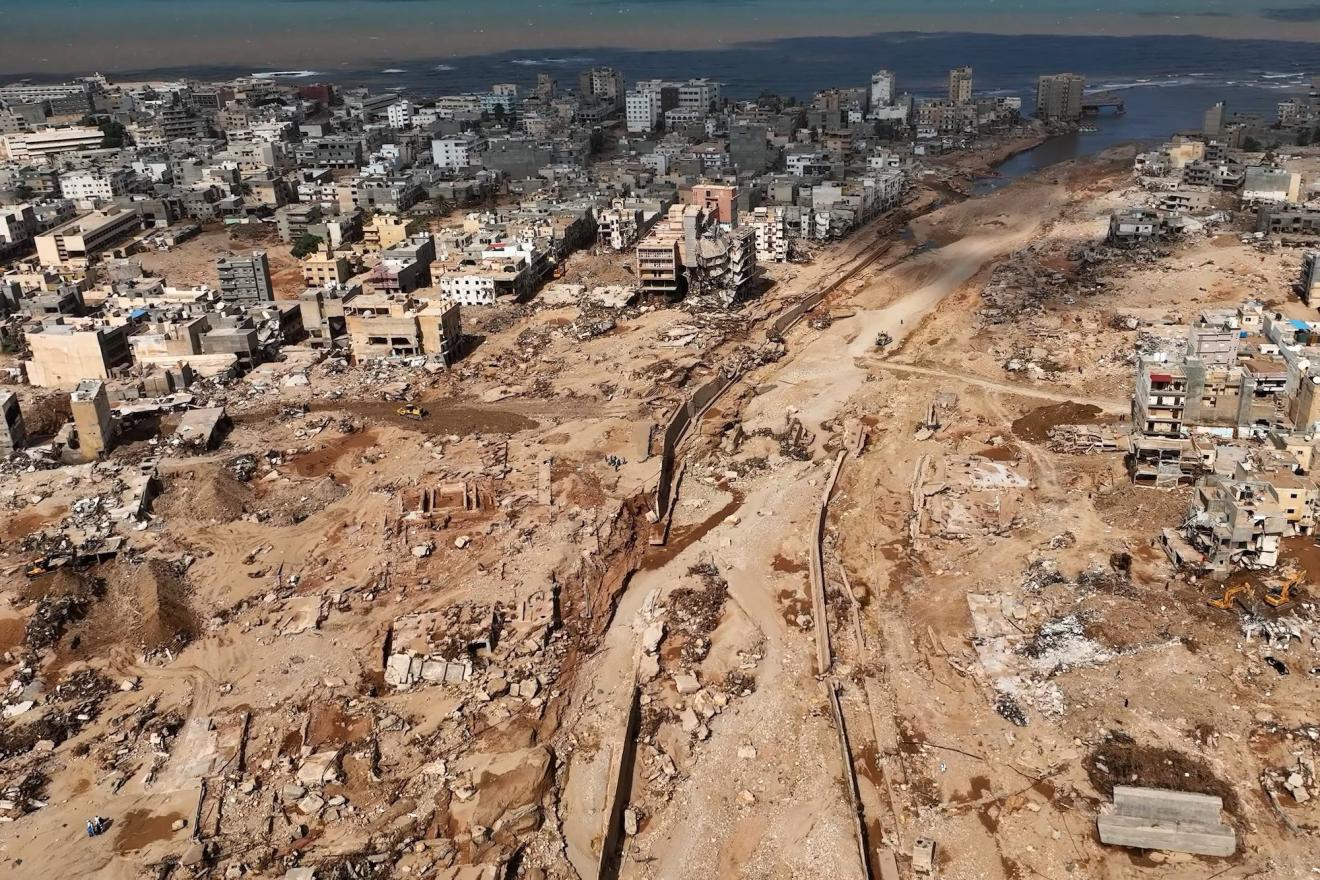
620 789
62 360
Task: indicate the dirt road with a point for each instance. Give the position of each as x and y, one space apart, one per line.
1110 406
789 814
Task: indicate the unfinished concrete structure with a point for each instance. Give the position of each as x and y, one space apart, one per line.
90 406
1154 818
1165 462
12 433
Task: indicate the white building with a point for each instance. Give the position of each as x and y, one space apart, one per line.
28 145
681 116
658 162
808 164
698 94
883 160
449 106
882 88
642 110
93 185
504 101
469 288
456 151
771 227
400 114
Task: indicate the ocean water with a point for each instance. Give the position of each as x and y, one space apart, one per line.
58 36
1252 74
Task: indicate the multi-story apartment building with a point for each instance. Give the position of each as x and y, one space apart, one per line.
400 114
771 229
96 185
960 85
701 95
330 152
1059 96
642 111
883 85
325 268
602 83
457 152
245 279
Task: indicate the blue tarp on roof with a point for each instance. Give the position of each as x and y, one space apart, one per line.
138 313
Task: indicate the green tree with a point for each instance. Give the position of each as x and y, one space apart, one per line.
115 134
305 244
1304 139
1251 145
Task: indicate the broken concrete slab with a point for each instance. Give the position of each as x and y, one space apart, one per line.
1142 833
686 683
1154 818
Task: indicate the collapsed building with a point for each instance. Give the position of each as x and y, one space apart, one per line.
1230 524
688 253
1232 410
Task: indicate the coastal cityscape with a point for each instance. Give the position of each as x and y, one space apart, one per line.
551 469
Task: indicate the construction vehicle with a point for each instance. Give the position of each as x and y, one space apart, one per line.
1232 593
1284 595
44 565
412 411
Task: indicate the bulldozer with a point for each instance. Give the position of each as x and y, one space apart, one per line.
1283 597
1232 594
412 411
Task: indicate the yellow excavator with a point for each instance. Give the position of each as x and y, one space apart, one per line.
1284 596
1231 594
412 411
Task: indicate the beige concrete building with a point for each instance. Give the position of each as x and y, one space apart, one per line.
387 230
90 406
31 145
380 329
960 85
77 243
325 268
64 355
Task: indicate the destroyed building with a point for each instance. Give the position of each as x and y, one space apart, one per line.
1230 524
688 253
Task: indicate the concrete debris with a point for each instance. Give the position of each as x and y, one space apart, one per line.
686 683
1150 818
